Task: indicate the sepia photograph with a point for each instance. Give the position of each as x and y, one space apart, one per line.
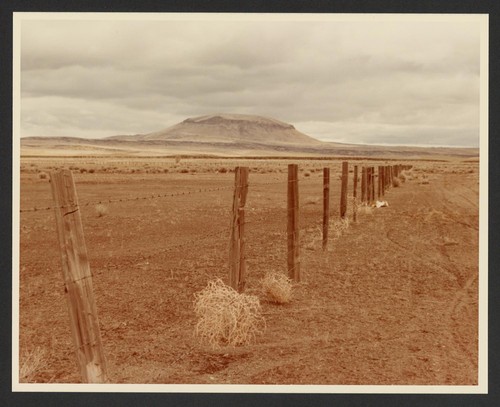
258 203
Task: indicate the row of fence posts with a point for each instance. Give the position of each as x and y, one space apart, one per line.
237 267
76 269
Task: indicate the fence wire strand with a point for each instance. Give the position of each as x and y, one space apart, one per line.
136 198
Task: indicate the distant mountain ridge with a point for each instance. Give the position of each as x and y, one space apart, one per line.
230 128
227 135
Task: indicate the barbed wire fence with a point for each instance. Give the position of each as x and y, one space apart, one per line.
259 217
202 236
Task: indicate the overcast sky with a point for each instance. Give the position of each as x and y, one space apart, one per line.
377 82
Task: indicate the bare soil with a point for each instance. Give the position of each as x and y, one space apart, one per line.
394 299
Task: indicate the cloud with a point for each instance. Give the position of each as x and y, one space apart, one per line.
370 80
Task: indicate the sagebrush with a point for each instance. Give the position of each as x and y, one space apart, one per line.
226 317
277 287
101 210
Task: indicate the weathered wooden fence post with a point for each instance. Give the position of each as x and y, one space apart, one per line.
369 185
343 191
387 176
382 179
293 223
326 205
379 183
355 194
237 262
373 185
363 185
77 279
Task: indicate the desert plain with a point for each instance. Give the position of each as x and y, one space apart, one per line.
392 301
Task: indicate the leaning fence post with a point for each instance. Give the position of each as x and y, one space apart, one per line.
355 194
343 191
326 205
237 262
293 257
77 279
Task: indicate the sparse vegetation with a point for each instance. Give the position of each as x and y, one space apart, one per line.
101 210
365 209
226 317
311 201
179 243
277 287
339 226
42 175
30 364
423 180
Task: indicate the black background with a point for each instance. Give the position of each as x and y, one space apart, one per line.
9 398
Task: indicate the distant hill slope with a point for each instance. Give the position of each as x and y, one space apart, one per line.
227 135
228 128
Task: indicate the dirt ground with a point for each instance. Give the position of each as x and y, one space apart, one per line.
394 299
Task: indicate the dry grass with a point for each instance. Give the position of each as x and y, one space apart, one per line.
424 180
339 226
365 210
277 287
312 238
30 365
226 317
101 210
311 201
